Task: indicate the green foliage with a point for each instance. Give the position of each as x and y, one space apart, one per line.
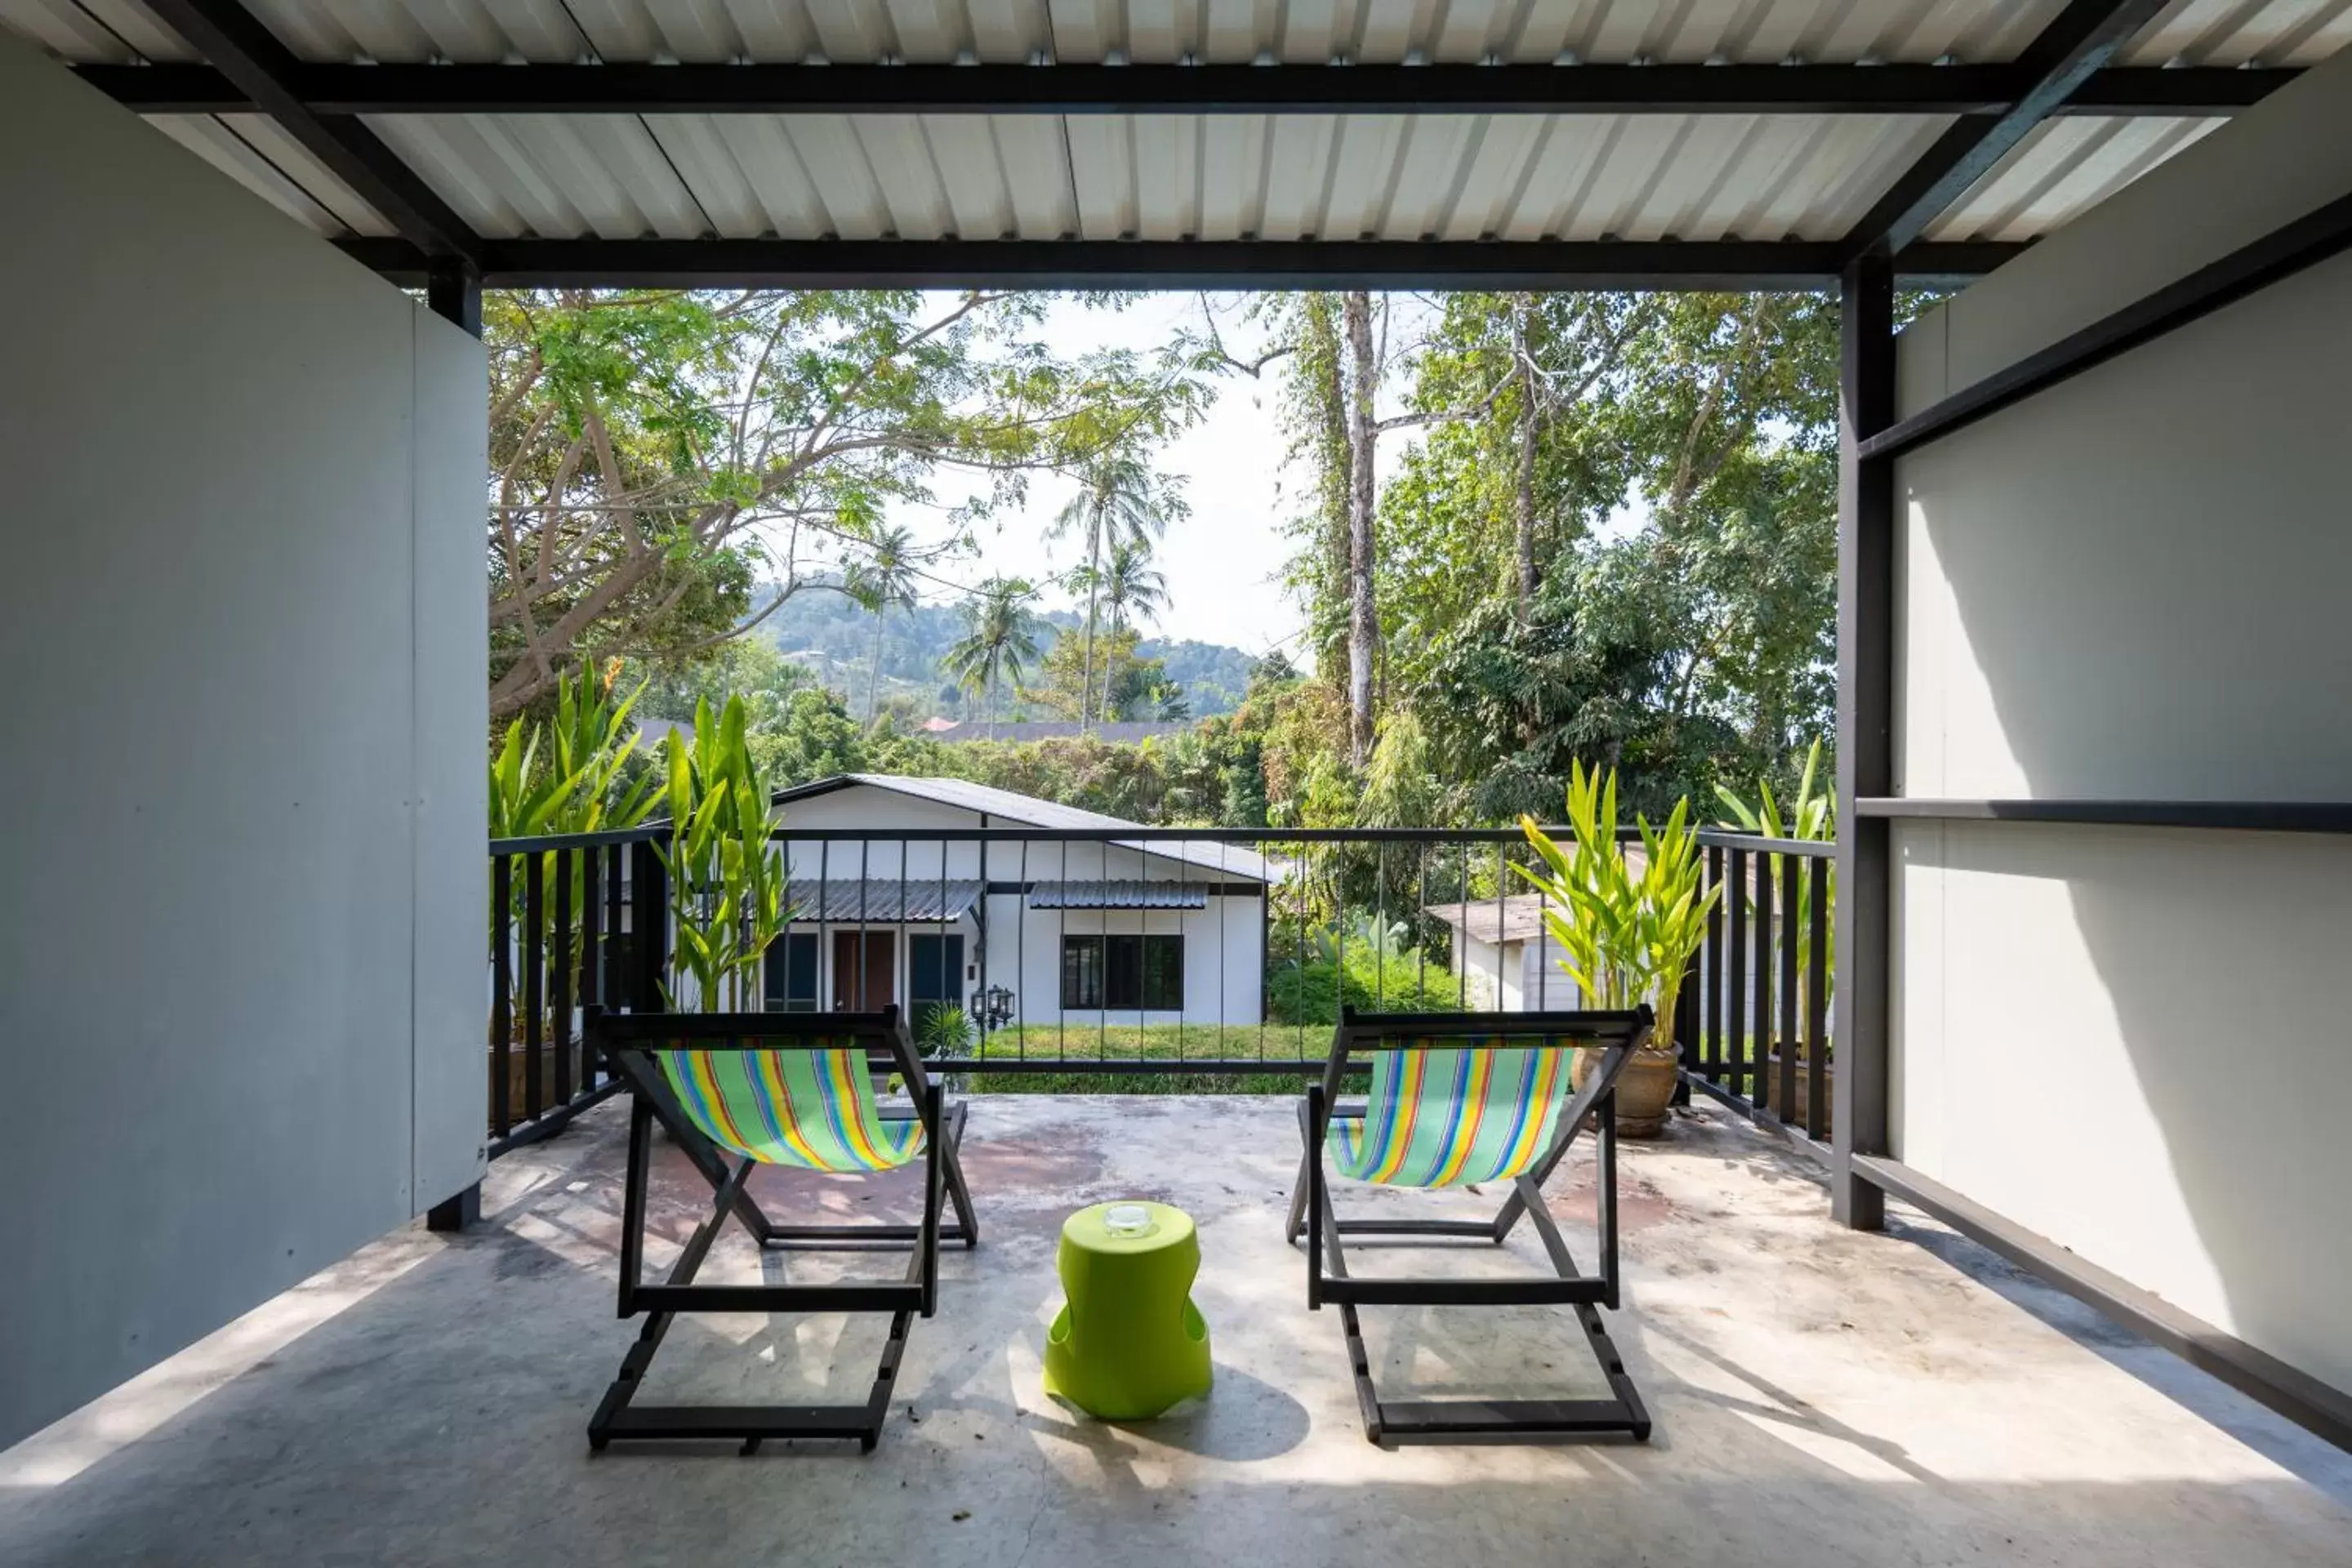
1363 964
727 879
1812 816
585 748
1000 640
945 1031
1152 1042
653 456
1626 934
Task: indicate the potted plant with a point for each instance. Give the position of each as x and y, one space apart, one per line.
1626 934
1811 815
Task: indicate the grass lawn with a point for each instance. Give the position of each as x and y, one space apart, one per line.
1078 1045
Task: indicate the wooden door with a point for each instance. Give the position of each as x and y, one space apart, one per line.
864 979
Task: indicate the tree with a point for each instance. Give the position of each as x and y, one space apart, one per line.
1131 589
881 580
1363 614
654 455
1119 503
1000 640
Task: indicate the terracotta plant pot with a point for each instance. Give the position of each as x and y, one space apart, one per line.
1795 1116
1644 1088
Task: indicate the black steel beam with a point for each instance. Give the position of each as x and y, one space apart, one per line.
634 89
453 291
2313 238
2293 1393
2062 58
266 71
2225 815
1865 736
1698 265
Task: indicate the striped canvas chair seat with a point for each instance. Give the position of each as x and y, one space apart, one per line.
813 1109
1443 1118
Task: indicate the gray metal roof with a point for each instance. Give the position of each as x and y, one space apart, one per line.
879 898
1009 809
1118 895
1340 176
1117 732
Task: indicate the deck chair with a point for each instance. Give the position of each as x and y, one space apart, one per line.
1458 1098
738 1091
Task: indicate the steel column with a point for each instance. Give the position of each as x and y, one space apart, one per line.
1865 740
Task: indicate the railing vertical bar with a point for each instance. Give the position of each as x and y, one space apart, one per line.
1817 997
592 936
1734 986
501 989
616 989
1502 875
1420 936
562 1015
1789 905
1461 936
649 930
1711 1041
865 932
1381 928
1021 960
828 982
1062 963
1760 928
534 983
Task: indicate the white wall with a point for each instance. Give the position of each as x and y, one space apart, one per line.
241 878
2132 586
1224 972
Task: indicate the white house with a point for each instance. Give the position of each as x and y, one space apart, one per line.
1505 957
1082 924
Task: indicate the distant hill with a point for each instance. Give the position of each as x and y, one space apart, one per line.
824 630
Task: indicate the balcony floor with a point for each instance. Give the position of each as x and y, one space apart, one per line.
1821 1396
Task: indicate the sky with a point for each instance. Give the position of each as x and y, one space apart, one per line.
1223 561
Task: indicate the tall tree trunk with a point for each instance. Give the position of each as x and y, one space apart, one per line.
1363 620
1334 466
1524 494
873 681
1094 585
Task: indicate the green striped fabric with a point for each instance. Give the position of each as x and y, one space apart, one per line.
813 1109
1443 1118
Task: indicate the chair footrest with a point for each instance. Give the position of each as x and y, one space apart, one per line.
1404 1420
1360 1292
778 1298
683 1422
1478 1229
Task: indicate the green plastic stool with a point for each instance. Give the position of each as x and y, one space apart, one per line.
1129 1343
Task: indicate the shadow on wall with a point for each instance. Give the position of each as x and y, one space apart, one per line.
2137 1041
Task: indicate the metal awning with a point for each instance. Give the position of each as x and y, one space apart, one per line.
1118 895
890 901
1130 143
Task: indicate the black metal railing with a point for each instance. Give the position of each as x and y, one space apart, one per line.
1069 959
1755 1016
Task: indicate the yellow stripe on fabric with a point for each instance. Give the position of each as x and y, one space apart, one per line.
1467 1117
1409 1108
780 1096
1540 1113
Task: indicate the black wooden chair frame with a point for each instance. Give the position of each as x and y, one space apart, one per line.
1328 1279
627 1042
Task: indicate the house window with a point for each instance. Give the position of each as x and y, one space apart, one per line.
934 976
1123 971
792 972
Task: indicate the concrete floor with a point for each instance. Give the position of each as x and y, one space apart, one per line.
1821 1397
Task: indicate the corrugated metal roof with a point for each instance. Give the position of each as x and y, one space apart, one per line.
1339 177
888 900
1118 895
1028 811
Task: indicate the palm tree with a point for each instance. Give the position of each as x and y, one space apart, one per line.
884 579
1117 505
1129 585
998 642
